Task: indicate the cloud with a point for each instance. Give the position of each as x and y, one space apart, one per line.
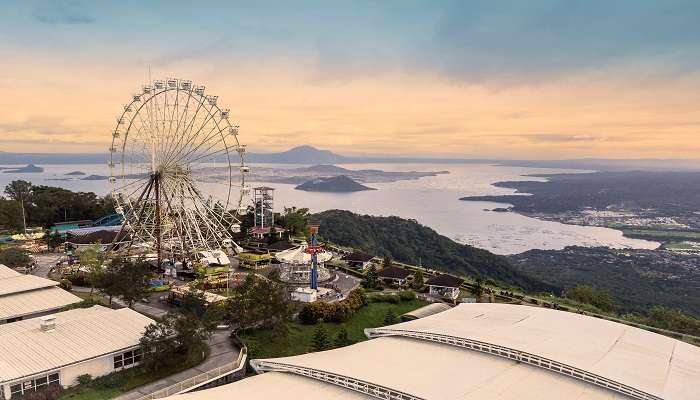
62 12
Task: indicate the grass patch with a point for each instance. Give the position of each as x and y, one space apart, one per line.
268 344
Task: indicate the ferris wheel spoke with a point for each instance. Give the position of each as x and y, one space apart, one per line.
207 141
192 137
186 125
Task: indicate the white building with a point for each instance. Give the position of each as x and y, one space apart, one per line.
444 286
27 296
56 349
304 295
484 352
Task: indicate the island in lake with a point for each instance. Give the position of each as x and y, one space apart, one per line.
31 168
76 173
334 184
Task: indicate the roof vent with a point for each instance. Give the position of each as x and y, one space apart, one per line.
48 323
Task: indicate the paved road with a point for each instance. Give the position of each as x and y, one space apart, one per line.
44 263
221 352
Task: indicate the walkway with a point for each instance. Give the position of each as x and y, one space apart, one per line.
221 353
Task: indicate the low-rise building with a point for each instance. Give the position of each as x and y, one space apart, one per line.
357 260
444 286
394 276
28 296
57 349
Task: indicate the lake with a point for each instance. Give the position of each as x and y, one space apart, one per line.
432 201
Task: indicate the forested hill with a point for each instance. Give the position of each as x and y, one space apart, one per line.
407 241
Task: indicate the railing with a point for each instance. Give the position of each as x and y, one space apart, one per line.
201 379
358 385
520 356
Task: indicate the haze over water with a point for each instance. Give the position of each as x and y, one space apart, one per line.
432 201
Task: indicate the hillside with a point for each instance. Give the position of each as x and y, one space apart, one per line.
333 184
408 241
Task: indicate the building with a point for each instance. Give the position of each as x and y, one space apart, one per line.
101 238
357 260
444 286
425 311
56 349
261 233
28 296
485 352
394 276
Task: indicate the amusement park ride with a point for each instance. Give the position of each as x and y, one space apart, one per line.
178 172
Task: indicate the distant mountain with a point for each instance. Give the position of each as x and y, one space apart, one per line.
31 168
76 173
334 184
310 155
298 155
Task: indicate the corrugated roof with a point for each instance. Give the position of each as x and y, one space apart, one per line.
79 335
394 273
275 385
35 301
656 364
445 281
24 283
428 358
430 309
7 272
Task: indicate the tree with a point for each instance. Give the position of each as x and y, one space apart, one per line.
386 262
295 221
177 338
320 340
418 280
91 261
126 279
390 317
372 277
20 191
342 339
14 257
478 288
53 240
258 303
589 295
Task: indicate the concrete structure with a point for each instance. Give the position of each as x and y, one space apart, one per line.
394 276
57 349
444 286
263 200
425 311
28 296
485 352
304 295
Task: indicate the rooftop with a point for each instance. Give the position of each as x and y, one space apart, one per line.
80 334
445 281
358 257
34 302
490 352
394 273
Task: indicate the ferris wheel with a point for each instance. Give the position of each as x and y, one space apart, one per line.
177 170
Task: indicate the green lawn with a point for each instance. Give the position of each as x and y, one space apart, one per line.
268 344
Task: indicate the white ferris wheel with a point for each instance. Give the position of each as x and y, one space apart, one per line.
177 170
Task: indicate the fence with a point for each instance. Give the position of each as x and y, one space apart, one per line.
201 379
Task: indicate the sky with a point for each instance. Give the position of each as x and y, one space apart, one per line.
535 79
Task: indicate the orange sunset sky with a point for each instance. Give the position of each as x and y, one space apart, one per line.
524 80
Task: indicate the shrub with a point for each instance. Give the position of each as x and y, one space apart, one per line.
407 295
340 311
66 284
84 379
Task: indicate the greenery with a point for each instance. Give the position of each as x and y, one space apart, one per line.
14 257
126 279
267 343
47 205
91 260
589 295
339 311
418 280
669 319
295 221
320 340
390 317
408 241
258 302
371 280
342 339
178 338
